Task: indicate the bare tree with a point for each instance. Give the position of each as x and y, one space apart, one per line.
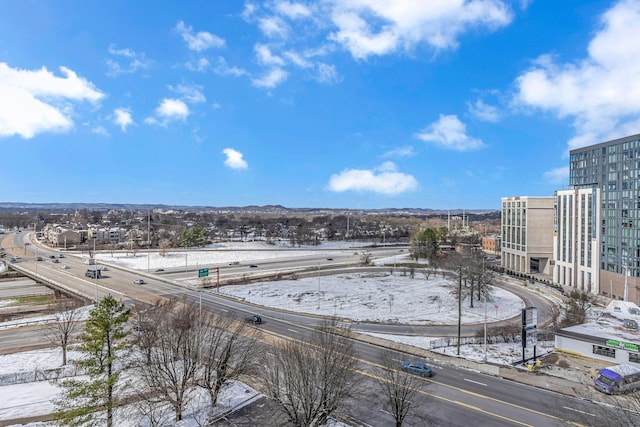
66 324
164 244
576 306
148 326
170 372
398 389
311 382
228 351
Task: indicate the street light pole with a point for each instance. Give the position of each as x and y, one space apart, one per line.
459 306
318 307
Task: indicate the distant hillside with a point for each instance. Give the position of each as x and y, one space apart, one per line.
267 209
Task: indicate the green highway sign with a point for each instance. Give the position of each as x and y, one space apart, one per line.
203 272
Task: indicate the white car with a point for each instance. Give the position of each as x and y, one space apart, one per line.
139 282
65 266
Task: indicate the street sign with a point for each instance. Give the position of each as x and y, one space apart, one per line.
203 272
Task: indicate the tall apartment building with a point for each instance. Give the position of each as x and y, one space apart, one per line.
576 254
613 168
527 234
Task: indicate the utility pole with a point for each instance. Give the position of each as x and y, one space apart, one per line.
459 306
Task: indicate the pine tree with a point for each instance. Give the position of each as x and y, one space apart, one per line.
102 342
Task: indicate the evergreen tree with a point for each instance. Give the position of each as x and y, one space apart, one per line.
102 343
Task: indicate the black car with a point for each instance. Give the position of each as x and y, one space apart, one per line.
255 319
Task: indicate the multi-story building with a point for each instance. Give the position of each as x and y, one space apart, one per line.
576 251
491 244
613 168
527 234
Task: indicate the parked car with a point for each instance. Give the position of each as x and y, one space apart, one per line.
417 368
138 282
255 319
39 258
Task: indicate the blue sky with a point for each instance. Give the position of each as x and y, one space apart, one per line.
359 104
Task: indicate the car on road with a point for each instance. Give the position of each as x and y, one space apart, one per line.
105 268
329 259
138 282
417 368
61 255
39 258
56 260
253 266
159 270
255 319
52 256
65 266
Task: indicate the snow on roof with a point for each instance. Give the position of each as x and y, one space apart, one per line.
620 320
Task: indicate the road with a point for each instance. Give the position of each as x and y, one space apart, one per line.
459 395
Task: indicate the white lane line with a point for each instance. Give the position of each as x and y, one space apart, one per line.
577 410
475 382
293 330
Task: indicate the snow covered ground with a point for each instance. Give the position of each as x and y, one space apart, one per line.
373 297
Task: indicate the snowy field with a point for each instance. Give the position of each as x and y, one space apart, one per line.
223 253
377 297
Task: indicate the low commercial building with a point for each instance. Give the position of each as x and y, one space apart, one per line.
613 338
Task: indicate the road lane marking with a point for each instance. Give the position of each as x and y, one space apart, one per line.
293 330
475 382
579 411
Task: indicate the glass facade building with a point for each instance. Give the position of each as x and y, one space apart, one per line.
613 169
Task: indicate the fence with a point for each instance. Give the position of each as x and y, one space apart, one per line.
542 336
38 375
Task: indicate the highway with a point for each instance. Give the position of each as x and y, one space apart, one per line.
454 396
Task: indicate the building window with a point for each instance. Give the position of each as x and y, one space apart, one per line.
604 351
634 357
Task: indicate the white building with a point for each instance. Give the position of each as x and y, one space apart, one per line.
527 234
576 251
613 338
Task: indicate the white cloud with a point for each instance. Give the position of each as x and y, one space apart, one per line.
199 41
450 133
271 79
169 110
326 73
558 176
406 151
100 130
33 102
223 69
122 118
297 59
234 159
482 111
375 27
200 65
384 179
265 57
190 93
132 61
292 10
602 91
273 26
